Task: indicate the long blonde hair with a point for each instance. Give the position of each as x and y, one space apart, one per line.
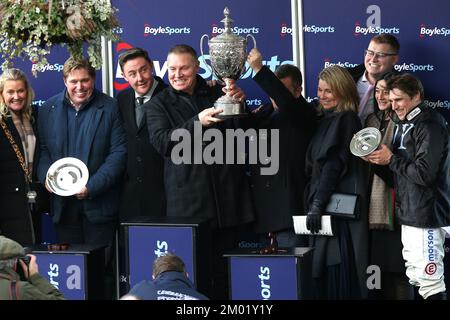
343 87
14 74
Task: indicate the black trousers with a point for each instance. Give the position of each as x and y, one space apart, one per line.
224 240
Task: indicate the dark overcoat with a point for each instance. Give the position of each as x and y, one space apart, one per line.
279 196
143 188
333 137
219 192
16 219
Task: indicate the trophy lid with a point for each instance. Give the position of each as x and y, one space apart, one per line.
365 141
227 35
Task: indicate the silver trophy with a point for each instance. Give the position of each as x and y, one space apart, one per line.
365 141
228 53
67 176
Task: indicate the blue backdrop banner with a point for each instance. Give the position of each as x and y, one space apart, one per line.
338 32
157 26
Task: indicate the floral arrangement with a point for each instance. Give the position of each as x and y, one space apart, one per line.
29 28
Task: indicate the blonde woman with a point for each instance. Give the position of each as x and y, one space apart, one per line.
339 261
19 219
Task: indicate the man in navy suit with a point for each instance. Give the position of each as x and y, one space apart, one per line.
84 123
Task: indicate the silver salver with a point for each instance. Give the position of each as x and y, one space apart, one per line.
228 53
67 176
365 141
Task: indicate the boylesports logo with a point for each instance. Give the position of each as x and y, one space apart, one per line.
167 30
285 30
160 68
121 85
216 30
253 102
345 64
38 103
47 67
307 29
318 29
445 104
162 247
118 30
373 30
432 32
412 67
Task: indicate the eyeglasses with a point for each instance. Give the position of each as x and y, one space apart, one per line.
379 55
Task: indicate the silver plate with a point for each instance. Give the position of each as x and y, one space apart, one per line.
67 176
365 141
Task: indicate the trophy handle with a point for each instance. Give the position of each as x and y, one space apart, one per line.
201 51
253 38
254 46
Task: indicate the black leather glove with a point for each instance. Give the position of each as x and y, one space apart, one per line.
314 218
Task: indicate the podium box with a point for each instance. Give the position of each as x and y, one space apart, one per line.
76 272
280 276
146 239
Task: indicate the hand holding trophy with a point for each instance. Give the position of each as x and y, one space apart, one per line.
228 55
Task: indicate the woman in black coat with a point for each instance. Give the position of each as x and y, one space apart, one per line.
18 219
339 261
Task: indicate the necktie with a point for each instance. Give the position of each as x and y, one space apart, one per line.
362 112
139 110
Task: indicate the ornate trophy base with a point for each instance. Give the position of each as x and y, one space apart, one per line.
231 108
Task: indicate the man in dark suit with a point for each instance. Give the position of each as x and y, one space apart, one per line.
280 196
218 192
380 57
84 123
143 193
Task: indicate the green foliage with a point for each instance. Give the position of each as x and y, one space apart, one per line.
29 28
